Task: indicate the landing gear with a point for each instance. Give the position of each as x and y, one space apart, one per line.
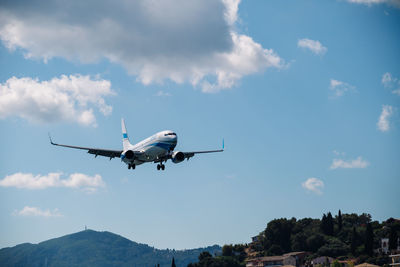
160 166
133 166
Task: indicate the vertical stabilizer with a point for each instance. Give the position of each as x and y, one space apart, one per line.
125 140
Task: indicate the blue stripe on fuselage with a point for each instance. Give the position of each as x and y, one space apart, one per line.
166 146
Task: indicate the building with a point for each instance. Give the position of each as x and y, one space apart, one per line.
384 248
366 265
324 261
395 260
271 261
398 244
348 263
299 256
384 245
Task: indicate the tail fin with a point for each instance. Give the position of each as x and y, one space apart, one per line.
125 140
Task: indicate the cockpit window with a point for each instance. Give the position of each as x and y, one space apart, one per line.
174 134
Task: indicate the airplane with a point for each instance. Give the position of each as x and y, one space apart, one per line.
157 148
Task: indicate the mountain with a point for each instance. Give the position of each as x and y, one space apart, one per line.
92 248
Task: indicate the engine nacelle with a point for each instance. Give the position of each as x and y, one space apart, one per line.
177 157
129 154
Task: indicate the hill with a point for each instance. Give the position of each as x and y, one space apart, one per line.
92 248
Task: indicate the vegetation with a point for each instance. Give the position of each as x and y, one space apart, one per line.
91 248
207 260
344 236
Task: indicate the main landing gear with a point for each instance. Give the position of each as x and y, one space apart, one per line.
160 166
131 166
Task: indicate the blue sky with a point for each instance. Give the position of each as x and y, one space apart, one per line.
306 95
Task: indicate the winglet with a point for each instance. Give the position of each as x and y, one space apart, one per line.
223 144
51 141
124 133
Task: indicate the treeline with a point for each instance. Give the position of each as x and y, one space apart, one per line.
227 259
343 236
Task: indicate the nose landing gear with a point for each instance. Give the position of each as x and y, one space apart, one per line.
131 166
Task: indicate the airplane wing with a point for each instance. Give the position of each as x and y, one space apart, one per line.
95 151
188 155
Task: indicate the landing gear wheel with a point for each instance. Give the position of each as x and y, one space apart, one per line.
133 166
158 167
163 167
129 166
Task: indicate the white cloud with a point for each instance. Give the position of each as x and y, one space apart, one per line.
383 122
68 98
231 7
396 91
395 3
154 41
391 82
357 163
314 46
339 88
246 57
77 180
314 185
387 79
230 176
338 153
162 93
28 211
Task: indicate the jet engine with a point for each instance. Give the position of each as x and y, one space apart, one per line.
129 154
177 157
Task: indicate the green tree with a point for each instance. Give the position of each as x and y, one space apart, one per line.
278 232
173 262
369 240
274 250
365 218
206 260
227 250
329 224
336 263
333 248
340 221
393 238
323 224
315 241
354 241
204 255
239 252
299 242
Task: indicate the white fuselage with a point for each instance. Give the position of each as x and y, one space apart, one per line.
152 148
